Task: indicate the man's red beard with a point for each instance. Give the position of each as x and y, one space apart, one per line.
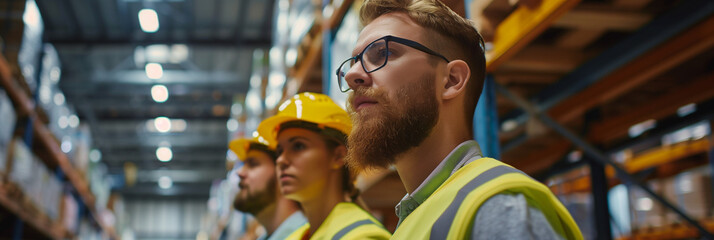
256 200
382 132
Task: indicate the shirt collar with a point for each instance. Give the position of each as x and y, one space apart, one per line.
288 226
463 154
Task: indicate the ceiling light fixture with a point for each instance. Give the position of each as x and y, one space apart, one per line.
154 70
159 93
164 154
148 20
165 182
162 124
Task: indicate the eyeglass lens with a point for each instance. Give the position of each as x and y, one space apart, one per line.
373 57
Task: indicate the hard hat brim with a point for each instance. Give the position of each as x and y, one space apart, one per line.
267 128
240 147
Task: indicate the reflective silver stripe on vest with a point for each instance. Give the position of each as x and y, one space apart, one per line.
441 227
349 228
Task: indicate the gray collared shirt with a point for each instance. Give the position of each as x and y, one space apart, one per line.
503 216
463 154
287 227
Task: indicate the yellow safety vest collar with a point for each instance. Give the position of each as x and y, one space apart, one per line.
451 209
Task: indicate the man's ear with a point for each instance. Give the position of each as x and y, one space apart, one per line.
338 161
458 76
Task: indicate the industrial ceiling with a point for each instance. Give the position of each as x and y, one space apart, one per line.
205 49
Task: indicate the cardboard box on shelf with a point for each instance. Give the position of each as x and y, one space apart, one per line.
580 206
668 193
52 197
38 181
8 119
116 205
70 212
88 231
83 143
20 168
37 186
3 162
690 191
694 194
99 184
646 211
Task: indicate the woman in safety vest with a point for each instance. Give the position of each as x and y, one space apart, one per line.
309 133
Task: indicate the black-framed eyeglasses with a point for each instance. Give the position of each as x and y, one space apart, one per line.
375 56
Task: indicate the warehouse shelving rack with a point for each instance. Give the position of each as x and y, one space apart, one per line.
569 75
26 107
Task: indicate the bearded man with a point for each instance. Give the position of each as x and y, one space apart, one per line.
259 194
416 76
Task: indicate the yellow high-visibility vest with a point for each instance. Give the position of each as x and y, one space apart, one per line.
346 221
449 212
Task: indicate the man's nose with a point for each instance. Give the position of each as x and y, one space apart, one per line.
357 77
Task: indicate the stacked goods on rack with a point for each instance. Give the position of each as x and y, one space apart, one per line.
82 140
580 206
32 181
571 190
87 231
70 212
117 207
691 192
6 128
32 189
20 172
39 185
687 188
646 212
52 197
99 184
681 177
33 186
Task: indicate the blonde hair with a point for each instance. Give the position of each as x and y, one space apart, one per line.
455 38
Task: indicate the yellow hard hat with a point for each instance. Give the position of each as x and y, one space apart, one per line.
240 146
309 107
